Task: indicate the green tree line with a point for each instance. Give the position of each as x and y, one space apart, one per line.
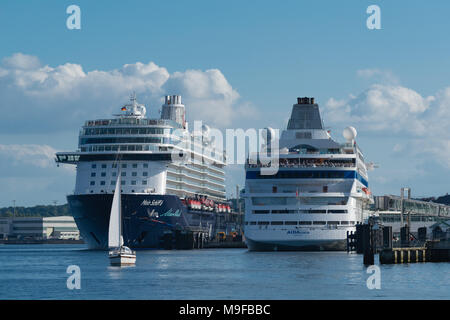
36 211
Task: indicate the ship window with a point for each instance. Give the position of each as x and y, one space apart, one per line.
319 222
133 182
94 166
102 183
114 174
263 223
92 174
344 222
103 174
337 211
124 165
123 174
145 174
123 182
304 222
277 223
333 222
113 183
134 174
92 183
260 211
114 165
290 223
144 181
145 165
134 165
104 166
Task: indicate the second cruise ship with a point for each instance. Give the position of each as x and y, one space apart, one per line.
319 192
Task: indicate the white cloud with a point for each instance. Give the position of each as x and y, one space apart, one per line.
38 98
396 111
31 154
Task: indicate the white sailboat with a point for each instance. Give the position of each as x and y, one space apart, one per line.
118 254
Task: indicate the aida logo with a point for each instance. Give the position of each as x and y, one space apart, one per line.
297 232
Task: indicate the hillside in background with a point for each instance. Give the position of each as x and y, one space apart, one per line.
63 210
442 199
36 211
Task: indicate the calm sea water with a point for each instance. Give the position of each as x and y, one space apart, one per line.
39 272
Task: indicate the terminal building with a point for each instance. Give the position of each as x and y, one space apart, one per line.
61 227
388 210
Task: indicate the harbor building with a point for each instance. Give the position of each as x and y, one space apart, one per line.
388 209
61 227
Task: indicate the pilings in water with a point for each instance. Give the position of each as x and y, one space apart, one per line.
370 239
183 240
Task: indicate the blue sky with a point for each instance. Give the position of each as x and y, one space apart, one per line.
263 54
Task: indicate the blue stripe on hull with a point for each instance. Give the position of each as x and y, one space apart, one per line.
145 218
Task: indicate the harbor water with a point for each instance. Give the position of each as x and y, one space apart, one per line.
39 272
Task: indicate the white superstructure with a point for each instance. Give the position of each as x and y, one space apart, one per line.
318 194
145 147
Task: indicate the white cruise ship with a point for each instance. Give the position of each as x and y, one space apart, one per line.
160 193
318 194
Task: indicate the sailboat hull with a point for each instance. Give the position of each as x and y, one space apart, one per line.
146 218
122 259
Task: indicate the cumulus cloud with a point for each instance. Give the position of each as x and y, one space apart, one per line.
37 98
397 111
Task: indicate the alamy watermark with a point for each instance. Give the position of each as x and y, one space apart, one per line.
74 280
255 147
74 20
374 20
374 281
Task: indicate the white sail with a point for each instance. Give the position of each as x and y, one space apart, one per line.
115 239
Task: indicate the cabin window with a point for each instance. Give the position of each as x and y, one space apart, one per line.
92 174
92 183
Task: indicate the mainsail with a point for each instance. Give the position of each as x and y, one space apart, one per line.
115 219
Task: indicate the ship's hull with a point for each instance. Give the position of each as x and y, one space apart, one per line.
296 240
146 218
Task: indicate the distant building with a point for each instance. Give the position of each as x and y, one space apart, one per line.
388 208
61 227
